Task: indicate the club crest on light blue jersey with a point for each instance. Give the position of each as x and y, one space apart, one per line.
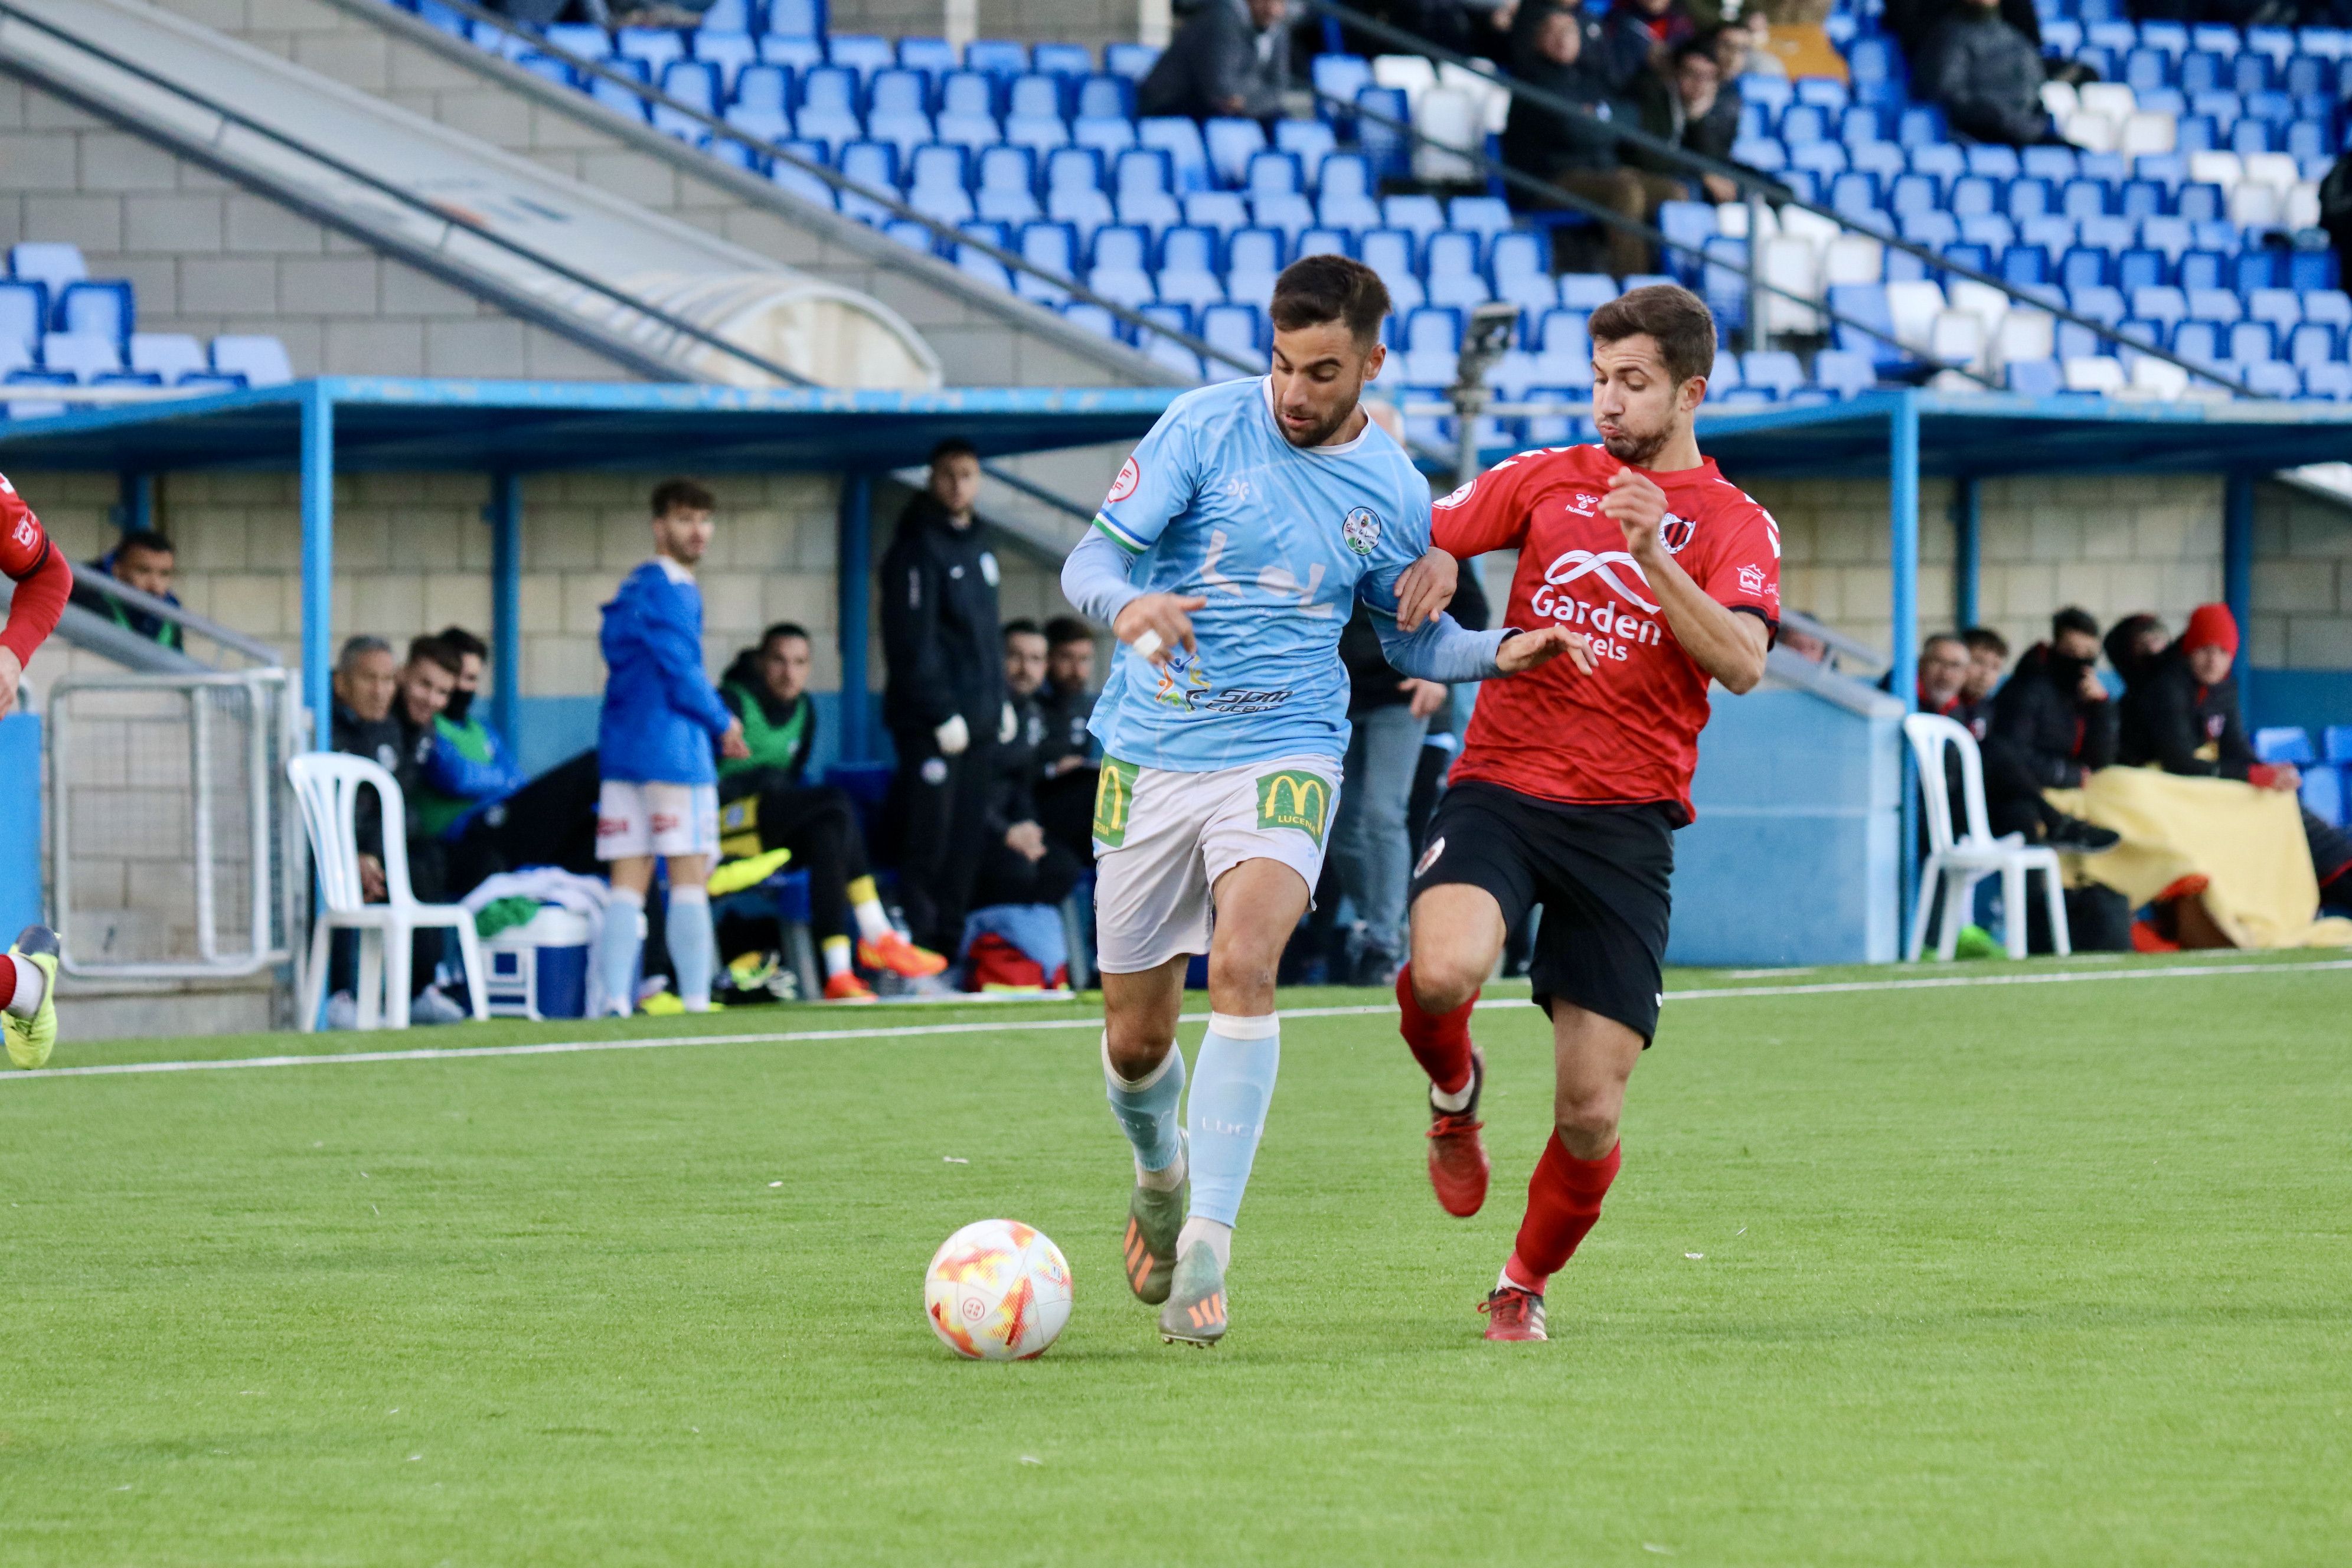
1280 541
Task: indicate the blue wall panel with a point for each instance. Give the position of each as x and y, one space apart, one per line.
20 823
2309 699
554 728
1792 859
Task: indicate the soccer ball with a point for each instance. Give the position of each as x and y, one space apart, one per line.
997 1290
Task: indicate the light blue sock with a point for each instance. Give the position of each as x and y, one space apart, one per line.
1232 1085
617 945
693 946
1147 1109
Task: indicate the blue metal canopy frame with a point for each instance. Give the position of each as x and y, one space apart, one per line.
508 429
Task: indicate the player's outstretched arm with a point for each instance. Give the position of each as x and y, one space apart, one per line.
1725 643
1532 650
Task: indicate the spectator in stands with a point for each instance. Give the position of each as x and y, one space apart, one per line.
1914 22
2052 727
1987 656
1066 775
1696 110
1987 76
143 559
2336 211
659 793
470 768
1233 58
1388 713
1802 643
944 696
2134 644
367 678
1577 151
1638 38
2183 716
765 795
1943 674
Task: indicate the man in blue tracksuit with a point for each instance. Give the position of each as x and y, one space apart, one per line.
659 793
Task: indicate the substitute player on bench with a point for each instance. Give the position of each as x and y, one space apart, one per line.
1571 786
1253 516
28 971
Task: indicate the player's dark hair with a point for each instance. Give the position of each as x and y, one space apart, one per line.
145 538
1984 639
1063 630
2073 618
682 495
432 650
953 446
464 641
1314 289
1676 318
1022 626
1702 47
785 629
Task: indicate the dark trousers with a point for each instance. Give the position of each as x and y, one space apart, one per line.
938 807
550 821
2012 793
1006 876
428 878
820 828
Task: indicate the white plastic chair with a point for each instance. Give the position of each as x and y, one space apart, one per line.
1957 863
328 784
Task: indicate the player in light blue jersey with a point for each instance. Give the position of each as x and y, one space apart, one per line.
1227 558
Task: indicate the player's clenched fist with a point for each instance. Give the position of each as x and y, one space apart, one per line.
1154 624
1639 507
1528 650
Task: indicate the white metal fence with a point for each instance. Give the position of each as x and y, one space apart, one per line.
172 848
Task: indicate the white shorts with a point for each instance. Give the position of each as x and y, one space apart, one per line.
1163 839
633 820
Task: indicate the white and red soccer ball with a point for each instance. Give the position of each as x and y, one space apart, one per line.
997 1290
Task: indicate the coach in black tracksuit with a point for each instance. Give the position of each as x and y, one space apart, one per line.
944 698
2053 726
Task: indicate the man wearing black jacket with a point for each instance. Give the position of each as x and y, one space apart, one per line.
1555 49
2053 726
2183 715
1019 863
944 698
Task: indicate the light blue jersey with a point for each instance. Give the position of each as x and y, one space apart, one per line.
1280 540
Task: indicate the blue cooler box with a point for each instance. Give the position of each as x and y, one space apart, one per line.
540 968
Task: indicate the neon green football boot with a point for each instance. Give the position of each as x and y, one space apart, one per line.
1154 1220
31 1040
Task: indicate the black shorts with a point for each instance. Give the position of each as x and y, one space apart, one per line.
1602 874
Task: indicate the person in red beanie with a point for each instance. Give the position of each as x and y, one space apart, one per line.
2184 718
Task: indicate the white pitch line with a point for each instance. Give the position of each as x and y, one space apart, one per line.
923 1031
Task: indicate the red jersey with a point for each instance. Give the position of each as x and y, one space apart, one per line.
44 582
1626 734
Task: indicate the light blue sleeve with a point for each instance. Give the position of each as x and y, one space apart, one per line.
1155 486
1442 651
1095 577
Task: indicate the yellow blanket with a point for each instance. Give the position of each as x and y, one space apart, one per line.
2249 842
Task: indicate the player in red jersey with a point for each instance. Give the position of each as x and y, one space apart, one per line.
1571 786
28 1014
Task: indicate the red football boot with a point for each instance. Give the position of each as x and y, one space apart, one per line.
1458 1167
1514 1314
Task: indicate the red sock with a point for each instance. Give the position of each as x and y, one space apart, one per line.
1440 1041
8 980
1563 1201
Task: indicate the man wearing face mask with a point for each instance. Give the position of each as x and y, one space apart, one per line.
2053 726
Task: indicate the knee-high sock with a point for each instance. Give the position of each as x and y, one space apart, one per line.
1146 1109
1440 1041
618 946
1232 1084
1563 1201
693 946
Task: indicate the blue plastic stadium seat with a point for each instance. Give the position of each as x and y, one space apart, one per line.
794 54
873 167
1231 144
2313 344
2283 744
102 310
860 52
261 360
169 355
799 182
1239 330
2035 377
2256 342
617 96
654 45
797 18
83 355
1051 247
1133 61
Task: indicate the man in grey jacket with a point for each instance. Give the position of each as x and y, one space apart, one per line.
1232 59
1988 76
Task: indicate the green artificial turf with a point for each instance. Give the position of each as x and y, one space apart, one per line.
2048 1274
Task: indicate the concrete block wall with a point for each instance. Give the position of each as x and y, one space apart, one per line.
413 554
2303 580
365 49
2112 544
1093 23
207 257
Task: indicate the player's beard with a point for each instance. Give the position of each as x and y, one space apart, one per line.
1322 432
1637 450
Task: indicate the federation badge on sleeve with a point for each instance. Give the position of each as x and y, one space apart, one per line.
1130 475
1362 529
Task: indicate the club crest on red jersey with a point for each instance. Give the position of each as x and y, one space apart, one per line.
1675 532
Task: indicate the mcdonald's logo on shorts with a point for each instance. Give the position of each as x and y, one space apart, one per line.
1114 802
1295 798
